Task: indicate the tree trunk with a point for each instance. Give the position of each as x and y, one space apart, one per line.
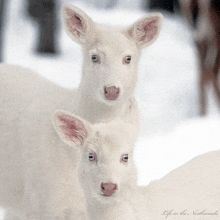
167 5
44 11
2 2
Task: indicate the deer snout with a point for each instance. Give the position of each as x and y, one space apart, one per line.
111 92
108 189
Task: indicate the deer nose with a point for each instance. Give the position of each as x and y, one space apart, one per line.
108 189
111 92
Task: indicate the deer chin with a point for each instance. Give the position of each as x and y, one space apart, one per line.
110 102
106 198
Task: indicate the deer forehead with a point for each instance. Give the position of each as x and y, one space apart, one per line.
111 41
107 146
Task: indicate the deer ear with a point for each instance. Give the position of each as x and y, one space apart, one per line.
71 129
146 30
78 25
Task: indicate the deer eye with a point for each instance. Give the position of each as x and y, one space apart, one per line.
127 59
95 58
92 156
125 157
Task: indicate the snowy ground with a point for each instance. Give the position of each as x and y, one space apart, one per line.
171 132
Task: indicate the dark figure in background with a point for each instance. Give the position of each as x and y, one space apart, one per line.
2 2
195 11
44 12
204 17
168 5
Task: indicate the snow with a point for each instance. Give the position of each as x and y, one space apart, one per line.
156 156
172 133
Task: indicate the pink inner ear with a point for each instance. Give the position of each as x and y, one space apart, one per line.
147 29
72 128
75 22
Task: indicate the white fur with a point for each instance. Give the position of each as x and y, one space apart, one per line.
38 178
189 192
194 188
109 141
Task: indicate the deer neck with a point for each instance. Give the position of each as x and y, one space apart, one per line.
97 210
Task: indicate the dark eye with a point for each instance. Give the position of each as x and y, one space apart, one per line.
95 58
92 156
125 157
127 59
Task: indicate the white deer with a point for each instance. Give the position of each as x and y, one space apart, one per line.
107 175
30 150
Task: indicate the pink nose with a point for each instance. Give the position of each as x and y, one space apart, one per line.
111 93
108 189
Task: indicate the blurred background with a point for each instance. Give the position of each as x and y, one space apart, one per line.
45 16
172 132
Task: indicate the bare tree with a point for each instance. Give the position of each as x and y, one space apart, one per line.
2 2
168 5
44 12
